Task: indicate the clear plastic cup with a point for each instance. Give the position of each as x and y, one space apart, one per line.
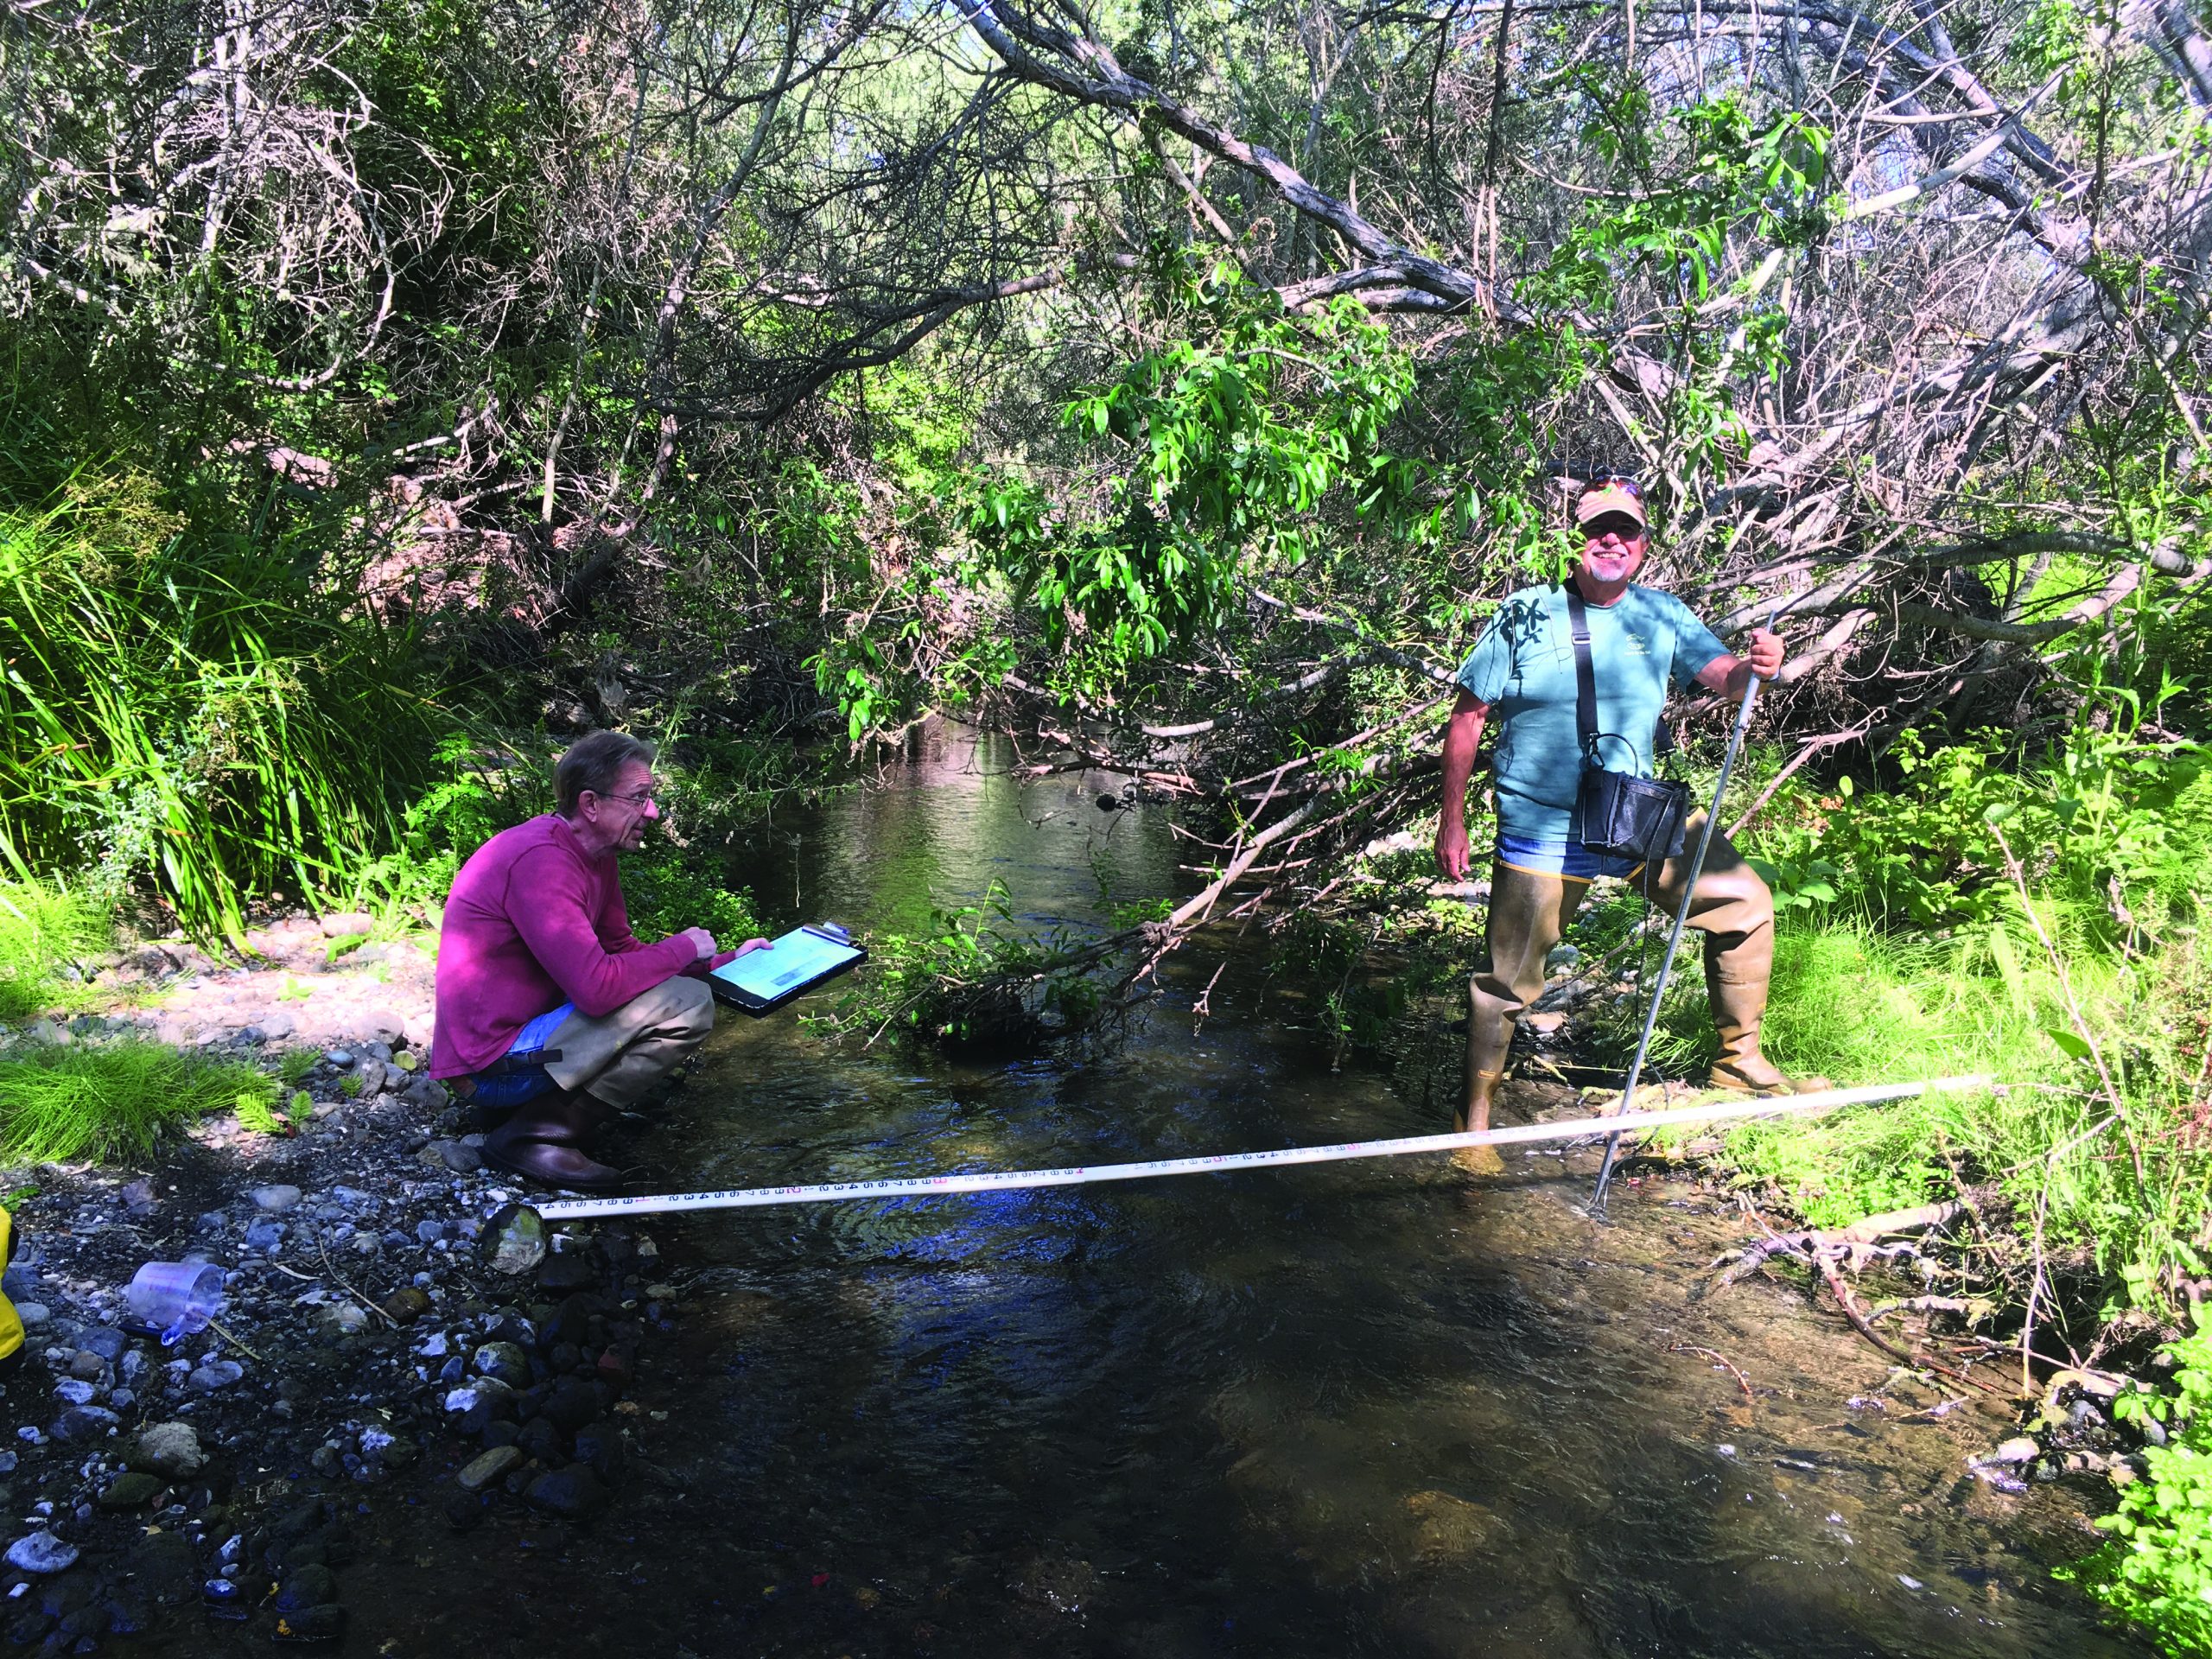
178 1297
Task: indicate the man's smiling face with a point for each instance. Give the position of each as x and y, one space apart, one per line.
1613 548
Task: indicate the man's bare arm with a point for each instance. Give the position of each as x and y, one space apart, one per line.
1462 732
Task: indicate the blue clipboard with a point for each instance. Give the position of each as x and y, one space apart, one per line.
762 980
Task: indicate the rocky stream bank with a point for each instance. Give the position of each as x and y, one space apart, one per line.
398 1349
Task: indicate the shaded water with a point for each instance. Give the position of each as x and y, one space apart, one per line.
1349 1409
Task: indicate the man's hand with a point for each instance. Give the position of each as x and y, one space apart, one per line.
701 941
1451 856
1765 654
752 945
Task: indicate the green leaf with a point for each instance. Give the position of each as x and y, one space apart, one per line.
2069 1044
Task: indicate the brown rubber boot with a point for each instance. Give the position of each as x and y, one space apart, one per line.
1736 913
1528 914
1737 969
528 1145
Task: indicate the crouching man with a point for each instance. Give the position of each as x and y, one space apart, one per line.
547 1004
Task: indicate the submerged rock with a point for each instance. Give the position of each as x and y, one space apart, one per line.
1452 1529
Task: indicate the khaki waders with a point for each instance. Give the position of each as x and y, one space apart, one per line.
1529 912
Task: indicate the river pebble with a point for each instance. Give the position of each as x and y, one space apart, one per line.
42 1552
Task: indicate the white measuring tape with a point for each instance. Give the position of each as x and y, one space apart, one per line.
923 1187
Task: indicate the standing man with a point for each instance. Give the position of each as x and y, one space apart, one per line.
546 1001
1642 642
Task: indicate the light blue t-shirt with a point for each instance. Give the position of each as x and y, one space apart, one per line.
1523 668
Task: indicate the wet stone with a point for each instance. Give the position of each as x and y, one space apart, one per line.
504 1362
460 1159
28 1628
574 1493
131 1491
105 1340
323 1624
88 1621
569 1271
76 1390
488 1467
398 1453
220 1375
86 1366
407 1305
540 1442
275 1200
81 1423
312 1585
573 1404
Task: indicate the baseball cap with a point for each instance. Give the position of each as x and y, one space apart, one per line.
1604 495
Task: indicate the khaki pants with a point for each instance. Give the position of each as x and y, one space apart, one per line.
619 1056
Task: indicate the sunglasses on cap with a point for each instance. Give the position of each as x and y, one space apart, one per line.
1613 482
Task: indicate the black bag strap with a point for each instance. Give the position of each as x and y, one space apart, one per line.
1586 678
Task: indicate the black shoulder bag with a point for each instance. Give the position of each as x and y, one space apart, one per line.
1618 814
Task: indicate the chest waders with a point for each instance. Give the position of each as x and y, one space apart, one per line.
1725 900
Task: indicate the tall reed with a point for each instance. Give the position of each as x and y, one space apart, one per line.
189 710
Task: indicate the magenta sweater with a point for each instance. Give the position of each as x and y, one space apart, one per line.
533 923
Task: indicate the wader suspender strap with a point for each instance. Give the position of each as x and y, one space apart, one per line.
1586 693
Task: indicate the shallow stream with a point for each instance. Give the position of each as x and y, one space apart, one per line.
1358 1408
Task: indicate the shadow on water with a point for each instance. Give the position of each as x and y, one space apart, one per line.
1361 1408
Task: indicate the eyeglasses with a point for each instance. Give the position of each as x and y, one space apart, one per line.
642 797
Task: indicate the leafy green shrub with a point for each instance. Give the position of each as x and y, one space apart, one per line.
41 929
977 978
2157 1571
479 784
115 1101
668 890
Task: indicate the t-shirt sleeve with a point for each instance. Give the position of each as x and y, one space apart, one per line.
1695 644
1489 668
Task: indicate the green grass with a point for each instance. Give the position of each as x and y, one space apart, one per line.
41 929
186 708
1860 1005
59 1105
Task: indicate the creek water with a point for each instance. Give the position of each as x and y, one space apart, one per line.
1361 1408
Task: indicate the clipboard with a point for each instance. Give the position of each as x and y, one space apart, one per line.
762 980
